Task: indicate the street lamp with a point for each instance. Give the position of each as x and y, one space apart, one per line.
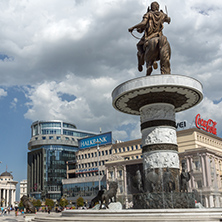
98 163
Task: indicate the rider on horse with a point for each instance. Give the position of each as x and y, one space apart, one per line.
151 25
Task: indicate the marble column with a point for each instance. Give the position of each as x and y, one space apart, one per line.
211 200
206 201
4 196
7 197
203 171
159 140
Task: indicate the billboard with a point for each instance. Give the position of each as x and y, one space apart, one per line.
101 139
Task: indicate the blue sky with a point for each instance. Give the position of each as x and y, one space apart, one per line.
62 59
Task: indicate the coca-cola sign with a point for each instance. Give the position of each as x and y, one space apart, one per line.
207 125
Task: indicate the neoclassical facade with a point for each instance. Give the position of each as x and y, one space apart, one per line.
200 151
23 188
7 190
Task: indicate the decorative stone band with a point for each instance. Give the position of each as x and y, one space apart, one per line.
182 92
155 147
159 135
158 123
158 111
160 159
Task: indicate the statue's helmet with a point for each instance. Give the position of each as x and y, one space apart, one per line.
155 6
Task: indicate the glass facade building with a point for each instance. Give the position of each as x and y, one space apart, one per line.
52 144
85 189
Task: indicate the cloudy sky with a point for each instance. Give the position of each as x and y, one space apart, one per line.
62 59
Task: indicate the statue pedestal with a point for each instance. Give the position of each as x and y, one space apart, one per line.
156 99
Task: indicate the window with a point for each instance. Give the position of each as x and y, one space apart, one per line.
51 137
44 138
58 137
120 173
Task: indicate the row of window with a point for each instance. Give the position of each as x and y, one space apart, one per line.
92 164
91 155
128 148
57 138
91 174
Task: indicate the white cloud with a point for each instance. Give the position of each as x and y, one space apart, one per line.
14 103
3 93
82 48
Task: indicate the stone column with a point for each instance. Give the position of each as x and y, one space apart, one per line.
211 201
159 140
4 196
208 171
206 201
7 197
203 171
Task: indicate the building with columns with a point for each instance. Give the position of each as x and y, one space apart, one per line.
7 190
200 150
202 153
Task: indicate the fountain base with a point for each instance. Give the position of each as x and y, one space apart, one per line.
173 200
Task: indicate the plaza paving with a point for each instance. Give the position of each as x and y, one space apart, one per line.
12 218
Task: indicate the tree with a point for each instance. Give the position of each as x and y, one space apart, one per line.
37 203
63 202
21 204
80 202
49 202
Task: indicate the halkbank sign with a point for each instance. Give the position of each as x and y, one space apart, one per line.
101 139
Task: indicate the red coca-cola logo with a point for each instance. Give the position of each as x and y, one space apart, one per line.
207 125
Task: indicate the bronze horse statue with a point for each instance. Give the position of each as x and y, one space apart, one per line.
109 194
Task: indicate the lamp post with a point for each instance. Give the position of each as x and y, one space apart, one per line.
98 163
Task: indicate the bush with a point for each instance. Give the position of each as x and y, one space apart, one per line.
49 202
80 202
63 202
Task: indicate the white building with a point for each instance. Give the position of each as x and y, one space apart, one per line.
7 189
23 188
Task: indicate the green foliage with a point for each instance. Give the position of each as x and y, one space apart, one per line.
37 203
63 202
49 202
21 204
80 202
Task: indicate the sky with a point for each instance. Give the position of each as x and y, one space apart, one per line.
62 59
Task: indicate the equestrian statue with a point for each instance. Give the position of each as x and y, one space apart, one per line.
153 46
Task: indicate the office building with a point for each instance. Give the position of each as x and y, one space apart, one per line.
52 144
